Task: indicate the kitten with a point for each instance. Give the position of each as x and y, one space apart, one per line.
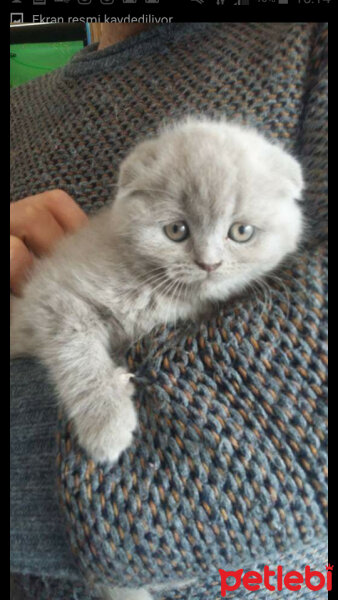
201 210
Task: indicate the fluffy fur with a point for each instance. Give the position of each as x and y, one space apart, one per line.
112 282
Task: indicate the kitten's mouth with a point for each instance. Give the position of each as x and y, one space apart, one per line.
175 285
179 285
209 279
208 276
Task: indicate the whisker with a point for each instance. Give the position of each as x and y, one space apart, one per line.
170 288
142 278
178 300
175 296
262 288
170 276
267 297
267 305
284 291
157 288
153 280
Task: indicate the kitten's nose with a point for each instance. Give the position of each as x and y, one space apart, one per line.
208 267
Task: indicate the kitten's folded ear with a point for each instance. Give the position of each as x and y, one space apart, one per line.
138 163
288 170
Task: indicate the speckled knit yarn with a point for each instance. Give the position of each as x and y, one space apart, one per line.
228 467
208 589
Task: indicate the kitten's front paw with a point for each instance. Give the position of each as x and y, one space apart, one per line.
107 431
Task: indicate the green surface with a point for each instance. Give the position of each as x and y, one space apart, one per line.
31 60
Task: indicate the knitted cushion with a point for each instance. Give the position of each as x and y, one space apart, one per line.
228 464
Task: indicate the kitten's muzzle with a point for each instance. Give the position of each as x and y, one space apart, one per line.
208 267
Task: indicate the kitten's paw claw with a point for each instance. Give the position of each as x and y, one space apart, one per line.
124 377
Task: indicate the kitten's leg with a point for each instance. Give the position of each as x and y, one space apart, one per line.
74 343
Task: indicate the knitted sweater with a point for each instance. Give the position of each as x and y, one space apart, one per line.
228 468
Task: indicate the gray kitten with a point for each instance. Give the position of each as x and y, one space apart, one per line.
201 210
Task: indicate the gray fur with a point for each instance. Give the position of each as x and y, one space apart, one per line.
112 282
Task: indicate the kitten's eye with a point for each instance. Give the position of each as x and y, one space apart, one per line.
241 233
177 232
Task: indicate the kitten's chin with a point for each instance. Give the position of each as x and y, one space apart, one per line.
216 287
210 285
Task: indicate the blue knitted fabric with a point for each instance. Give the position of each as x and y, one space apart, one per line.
228 467
208 589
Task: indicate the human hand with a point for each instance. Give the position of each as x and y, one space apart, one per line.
36 224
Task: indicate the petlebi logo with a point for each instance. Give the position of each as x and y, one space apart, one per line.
276 580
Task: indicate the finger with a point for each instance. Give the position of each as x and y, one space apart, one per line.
65 210
35 226
21 260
